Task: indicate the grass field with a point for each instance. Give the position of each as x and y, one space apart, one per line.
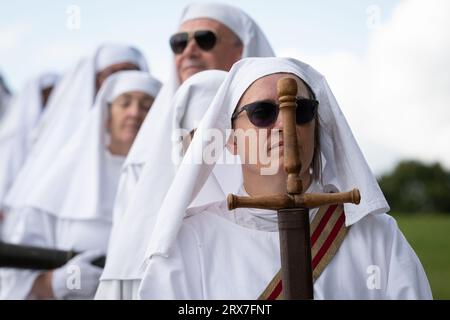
429 235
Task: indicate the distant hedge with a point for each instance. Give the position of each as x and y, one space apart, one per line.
414 186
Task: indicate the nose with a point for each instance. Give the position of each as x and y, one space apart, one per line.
192 48
134 109
279 122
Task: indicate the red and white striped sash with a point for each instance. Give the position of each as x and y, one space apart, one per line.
327 230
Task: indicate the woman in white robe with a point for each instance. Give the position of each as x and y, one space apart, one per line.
70 101
71 207
210 252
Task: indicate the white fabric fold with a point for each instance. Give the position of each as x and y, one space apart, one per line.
115 54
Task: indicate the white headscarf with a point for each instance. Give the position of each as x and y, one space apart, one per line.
70 101
16 126
132 226
254 41
71 187
345 167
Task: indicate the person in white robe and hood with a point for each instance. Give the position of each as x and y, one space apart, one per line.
210 36
210 252
70 208
70 101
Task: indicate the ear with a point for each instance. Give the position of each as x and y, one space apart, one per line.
232 144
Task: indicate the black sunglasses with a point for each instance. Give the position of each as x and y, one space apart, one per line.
264 114
205 39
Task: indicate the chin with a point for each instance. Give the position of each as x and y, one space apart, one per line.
131 131
272 169
129 138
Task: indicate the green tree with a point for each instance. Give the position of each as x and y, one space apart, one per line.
416 187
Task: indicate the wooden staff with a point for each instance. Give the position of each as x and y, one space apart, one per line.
293 207
37 258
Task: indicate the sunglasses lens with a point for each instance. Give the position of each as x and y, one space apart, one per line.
178 42
306 110
262 114
205 39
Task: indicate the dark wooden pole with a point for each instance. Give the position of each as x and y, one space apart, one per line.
295 250
37 258
293 224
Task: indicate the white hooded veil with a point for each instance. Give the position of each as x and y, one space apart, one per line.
344 165
254 41
72 98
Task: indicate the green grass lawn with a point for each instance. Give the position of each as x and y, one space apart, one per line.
429 235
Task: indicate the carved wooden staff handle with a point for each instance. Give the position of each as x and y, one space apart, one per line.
308 200
287 93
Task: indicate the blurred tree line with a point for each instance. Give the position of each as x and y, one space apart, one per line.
417 187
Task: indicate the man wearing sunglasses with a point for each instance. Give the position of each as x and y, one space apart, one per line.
203 44
209 36
215 37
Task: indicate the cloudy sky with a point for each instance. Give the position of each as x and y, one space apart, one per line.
387 61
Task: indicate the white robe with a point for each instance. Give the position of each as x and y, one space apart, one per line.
34 227
237 257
